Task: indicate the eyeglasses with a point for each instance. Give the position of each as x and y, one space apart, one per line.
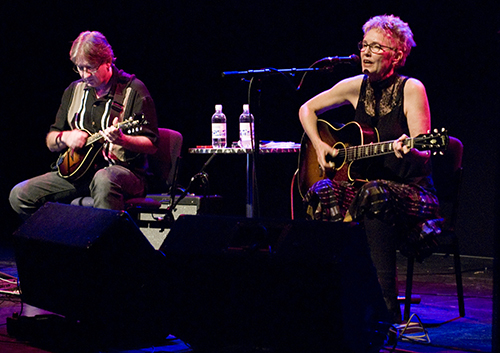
91 70
375 48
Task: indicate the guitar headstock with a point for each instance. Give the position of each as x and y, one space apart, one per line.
435 141
133 124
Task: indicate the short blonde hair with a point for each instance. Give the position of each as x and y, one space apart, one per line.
397 29
92 46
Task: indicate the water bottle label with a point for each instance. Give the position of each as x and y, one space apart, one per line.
246 134
218 130
245 129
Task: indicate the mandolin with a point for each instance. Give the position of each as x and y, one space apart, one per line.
74 164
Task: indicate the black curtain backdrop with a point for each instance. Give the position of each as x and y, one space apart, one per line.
179 49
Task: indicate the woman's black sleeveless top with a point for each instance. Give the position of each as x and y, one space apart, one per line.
380 106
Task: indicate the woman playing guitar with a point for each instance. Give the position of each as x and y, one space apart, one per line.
397 188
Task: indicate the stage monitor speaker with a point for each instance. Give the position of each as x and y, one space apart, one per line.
287 286
92 266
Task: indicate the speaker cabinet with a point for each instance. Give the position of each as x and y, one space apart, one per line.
288 286
91 266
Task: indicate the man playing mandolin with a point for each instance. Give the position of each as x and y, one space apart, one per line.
103 150
397 194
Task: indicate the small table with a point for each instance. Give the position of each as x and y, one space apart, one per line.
273 147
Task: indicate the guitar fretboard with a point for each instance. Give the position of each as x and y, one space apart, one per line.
373 149
123 125
93 138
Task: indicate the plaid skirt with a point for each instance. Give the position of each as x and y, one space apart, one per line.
411 208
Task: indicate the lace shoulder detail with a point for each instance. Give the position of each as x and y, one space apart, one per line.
383 97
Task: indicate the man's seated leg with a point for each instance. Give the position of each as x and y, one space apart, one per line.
28 196
111 186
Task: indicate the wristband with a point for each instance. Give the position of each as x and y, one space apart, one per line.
59 138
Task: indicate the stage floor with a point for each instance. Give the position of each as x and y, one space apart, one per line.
434 282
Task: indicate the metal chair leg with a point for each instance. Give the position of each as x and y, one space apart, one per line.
409 285
458 276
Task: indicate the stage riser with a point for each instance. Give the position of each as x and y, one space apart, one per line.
287 286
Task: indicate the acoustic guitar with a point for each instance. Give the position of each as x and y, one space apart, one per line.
75 163
355 143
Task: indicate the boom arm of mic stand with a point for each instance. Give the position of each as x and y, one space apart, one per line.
270 71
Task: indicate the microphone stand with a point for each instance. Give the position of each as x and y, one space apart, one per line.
169 212
330 62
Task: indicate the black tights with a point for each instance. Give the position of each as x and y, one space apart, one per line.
382 239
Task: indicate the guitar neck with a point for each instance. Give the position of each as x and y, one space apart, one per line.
97 136
93 138
371 150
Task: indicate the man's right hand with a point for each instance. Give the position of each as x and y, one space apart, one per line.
74 139
60 140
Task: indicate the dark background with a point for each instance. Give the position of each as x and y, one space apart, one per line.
179 49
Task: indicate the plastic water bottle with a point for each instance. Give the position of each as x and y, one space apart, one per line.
246 127
219 132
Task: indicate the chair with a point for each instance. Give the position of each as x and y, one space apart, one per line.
447 176
163 166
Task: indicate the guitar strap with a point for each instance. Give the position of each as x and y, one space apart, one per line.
122 91
120 99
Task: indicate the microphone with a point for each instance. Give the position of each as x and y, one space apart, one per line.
352 59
